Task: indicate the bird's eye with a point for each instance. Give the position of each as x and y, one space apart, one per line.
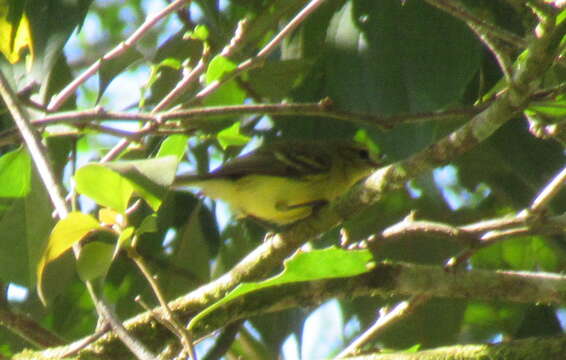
363 154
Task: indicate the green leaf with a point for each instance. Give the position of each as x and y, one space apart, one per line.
363 138
229 93
105 186
549 108
191 253
150 178
173 145
200 32
171 63
28 221
148 225
64 235
124 238
112 184
231 136
94 260
15 174
276 79
52 22
155 75
315 265
219 66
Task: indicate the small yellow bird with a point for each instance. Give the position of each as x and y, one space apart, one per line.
283 182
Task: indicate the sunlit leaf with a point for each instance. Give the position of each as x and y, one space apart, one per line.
105 186
200 32
173 145
219 66
111 217
232 136
315 265
171 62
550 108
229 93
64 235
15 173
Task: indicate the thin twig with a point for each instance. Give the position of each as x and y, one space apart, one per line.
324 108
399 312
549 192
180 330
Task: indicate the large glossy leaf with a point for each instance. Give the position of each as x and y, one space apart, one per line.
191 253
276 79
384 58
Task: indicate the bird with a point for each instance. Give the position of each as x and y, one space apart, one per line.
285 181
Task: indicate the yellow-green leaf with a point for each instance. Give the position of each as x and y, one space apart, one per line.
105 186
64 235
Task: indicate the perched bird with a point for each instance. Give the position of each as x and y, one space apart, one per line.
283 182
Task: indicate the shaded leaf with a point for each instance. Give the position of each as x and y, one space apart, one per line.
150 178
276 79
94 260
26 224
149 224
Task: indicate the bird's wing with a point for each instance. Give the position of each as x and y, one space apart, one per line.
277 160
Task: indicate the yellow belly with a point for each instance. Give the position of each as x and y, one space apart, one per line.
269 197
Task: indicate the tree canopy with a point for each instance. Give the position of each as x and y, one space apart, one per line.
454 248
